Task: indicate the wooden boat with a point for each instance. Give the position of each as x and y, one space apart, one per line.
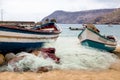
15 39
90 38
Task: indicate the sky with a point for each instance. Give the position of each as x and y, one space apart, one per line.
36 10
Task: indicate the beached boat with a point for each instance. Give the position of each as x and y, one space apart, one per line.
93 39
16 39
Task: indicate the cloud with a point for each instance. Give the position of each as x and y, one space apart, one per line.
38 9
108 3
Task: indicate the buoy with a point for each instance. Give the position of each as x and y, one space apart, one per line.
117 50
2 59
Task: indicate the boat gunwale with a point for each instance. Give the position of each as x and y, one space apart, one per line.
95 33
28 30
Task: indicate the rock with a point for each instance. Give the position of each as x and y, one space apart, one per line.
44 69
15 59
9 56
25 66
12 62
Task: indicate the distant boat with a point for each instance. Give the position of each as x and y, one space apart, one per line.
15 39
73 28
110 25
90 38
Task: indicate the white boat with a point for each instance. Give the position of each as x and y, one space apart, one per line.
15 39
90 38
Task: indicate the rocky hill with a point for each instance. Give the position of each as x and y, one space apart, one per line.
88 16
111 18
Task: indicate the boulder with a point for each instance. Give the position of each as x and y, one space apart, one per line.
9 56
44 69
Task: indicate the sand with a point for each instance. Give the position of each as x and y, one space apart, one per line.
113 73
62 75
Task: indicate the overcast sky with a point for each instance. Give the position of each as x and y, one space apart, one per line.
35 10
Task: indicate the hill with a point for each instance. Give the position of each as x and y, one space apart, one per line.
80 17
111 18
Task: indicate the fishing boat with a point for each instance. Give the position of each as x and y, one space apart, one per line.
16 39
91 38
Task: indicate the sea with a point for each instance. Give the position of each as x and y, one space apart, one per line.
73 55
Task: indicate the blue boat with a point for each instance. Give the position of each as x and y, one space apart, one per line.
91 38
15 39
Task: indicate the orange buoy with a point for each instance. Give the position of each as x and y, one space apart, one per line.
117 50
2 59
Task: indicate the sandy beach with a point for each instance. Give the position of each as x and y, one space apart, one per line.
113 73
63 75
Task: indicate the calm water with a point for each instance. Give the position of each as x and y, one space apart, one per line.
72 54
104 29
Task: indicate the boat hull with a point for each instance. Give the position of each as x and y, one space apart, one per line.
98 45
92 39
16 40
15 47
